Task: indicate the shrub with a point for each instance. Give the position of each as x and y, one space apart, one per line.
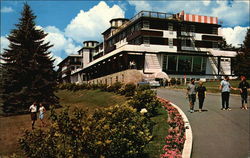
145 99
172 81
178 82
143 87
129 89
115 132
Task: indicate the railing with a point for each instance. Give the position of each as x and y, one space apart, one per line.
143 14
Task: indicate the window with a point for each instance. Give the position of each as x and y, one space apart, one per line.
215 44
215 30
197 63
146 40
184 63
172 62
183 42
145 24
170 42
170 27
192 28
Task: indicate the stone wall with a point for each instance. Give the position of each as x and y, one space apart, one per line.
127 76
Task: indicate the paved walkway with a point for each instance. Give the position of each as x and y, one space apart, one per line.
217 134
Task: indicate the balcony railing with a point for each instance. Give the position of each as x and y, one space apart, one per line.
143 14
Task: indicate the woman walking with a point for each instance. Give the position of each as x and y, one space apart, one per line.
42 110
191 94
201 93
243 86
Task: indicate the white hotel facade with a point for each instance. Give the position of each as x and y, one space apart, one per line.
148 46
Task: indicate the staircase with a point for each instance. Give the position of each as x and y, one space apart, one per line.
152 63
215 63
212 59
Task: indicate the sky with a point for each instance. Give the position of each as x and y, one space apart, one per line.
69 23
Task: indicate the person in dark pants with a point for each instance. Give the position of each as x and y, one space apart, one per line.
243 86
191 94
201 93
33 110
225 88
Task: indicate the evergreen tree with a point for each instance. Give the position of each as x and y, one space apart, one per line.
28 73
242 60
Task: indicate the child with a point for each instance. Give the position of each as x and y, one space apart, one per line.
243 86
42 110
201 93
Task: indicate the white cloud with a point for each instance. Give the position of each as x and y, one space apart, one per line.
234 36
62 44
90 24
206 2
6 10
4 43
141 5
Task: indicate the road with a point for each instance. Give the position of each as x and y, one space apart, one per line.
217 134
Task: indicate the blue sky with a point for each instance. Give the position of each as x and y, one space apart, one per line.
69 23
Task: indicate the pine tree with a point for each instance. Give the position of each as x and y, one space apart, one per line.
242 60
28 73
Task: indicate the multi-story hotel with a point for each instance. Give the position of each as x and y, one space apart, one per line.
151 45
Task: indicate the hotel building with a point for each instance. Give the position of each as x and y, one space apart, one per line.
151 45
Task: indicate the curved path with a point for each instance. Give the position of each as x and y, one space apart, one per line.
216 133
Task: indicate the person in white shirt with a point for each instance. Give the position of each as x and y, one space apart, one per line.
42 110
33 110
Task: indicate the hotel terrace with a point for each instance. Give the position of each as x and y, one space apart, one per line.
151 45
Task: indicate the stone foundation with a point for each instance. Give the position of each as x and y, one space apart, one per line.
127 76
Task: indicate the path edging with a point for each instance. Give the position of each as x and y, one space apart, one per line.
187 149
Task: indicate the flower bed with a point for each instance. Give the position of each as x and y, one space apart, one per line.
176 134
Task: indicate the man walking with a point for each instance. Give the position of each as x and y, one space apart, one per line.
191 94
243 86
33 110
225 93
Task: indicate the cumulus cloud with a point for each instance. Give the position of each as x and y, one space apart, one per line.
6 10
234 36
141 5
90 24
206 2
4 43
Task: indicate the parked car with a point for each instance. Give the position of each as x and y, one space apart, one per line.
154 83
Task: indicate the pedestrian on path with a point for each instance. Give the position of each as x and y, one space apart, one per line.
243 86
201 93
33 110
191 94
42 111
225 88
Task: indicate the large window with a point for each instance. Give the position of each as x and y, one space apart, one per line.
172 62
184 63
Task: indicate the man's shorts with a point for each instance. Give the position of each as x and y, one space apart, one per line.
33 116
192 98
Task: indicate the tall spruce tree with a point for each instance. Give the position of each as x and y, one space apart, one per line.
242 60
28 73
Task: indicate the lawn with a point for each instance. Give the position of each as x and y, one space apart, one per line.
12 126
160 131
213 86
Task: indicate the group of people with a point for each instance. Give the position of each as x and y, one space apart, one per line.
225 87
33 111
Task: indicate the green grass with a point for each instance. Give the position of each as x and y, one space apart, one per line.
90 99
213 86
160 131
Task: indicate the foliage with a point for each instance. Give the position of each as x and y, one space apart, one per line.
28 73
242 61
117 131
143 87
172 81
129 89
145 99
